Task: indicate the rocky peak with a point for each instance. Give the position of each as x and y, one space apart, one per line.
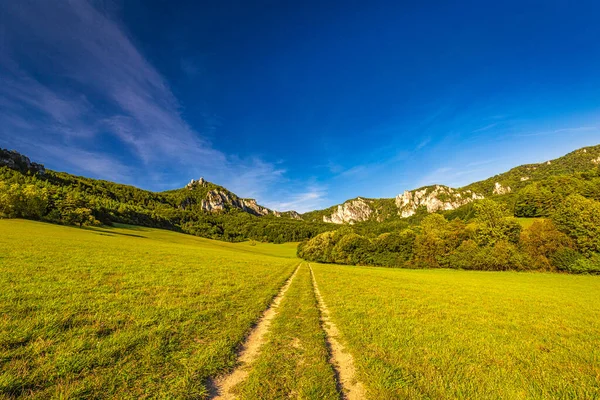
193 183
220 200
17 161
350 212
434 198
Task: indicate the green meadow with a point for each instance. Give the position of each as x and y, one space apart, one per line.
294 360
464 334
129 312
126 312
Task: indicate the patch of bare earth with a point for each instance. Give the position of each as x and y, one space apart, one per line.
341 360
221 387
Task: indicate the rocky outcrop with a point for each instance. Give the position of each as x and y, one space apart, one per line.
350 212
220 200
217 200
193 183
17 161
288 214
596 161
434 198
499 189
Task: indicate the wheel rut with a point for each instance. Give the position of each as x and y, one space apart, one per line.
341 360
220 388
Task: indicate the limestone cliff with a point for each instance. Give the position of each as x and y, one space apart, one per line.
213 198
350 212
433 198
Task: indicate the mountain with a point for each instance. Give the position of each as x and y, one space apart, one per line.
214 198
436 198
200 194
202 208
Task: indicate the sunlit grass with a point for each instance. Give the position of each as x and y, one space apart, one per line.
125 312
463 334
294 360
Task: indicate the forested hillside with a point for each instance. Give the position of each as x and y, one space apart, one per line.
28 190
564 192
561 233
541 179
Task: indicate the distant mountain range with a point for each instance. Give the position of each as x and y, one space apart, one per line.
187 206
443 198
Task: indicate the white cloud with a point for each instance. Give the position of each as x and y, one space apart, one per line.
312 199
90 56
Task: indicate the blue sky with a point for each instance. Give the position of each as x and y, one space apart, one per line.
301 105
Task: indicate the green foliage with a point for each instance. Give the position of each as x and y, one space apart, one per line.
579 218
72 200
493 241
494 224
22 201
542 241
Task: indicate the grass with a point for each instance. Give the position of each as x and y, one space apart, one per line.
125 312
462 334
294 360
130 312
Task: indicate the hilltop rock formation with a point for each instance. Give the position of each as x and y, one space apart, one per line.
19 162
434 198
193 183
350 212
214 198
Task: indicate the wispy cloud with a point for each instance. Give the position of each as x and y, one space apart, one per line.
486 127
574 130
424 143
312 199
103 87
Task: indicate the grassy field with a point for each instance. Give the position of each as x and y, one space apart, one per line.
458 334
130 312
126 312
294 360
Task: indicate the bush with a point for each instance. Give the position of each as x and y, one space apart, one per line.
502 256
586 265
351 249
569 260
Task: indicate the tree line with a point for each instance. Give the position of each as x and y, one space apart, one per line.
66 199
567 240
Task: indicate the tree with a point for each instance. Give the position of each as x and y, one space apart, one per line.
542 240
494 224
351 249
579 218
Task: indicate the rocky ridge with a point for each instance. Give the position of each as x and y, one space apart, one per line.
350 212
18 161
433 198
218 199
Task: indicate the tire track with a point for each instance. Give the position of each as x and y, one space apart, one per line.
220 388
341 360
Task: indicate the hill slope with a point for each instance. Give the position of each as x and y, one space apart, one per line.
436 198
201 208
